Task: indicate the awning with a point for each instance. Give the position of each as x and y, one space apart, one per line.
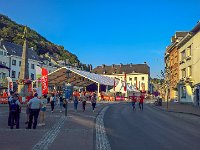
78 77
3 66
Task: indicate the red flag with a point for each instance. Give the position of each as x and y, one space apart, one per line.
44 81
125 82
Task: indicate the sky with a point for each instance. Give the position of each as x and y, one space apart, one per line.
108 31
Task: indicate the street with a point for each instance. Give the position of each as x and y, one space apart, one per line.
150 129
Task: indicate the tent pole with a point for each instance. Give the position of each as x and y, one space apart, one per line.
98 92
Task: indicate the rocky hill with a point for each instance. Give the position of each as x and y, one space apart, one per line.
12 32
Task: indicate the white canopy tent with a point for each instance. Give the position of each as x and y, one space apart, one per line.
78 77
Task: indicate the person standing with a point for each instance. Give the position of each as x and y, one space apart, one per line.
15 107
27 108
34 104
52 101
83 99
141 102
43 110
93 101
9 100
61 101
75 98
134 100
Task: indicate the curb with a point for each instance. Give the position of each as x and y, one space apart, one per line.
180 112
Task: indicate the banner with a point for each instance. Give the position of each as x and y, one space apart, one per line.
125 82
44 81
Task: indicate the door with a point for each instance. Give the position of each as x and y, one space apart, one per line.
197 96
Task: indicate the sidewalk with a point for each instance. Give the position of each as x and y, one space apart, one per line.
60 132
180 108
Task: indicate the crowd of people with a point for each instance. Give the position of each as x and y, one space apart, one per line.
36 107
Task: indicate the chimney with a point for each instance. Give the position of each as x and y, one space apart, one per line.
131 64
121 64
145 62
113 65
103 65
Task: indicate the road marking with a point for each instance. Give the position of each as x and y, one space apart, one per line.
102 142
50 136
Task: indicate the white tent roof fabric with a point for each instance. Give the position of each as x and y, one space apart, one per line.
103 80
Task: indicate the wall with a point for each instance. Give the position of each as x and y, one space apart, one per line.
174 72
130 79
194 62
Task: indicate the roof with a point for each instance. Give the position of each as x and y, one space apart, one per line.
78 77
196 28
121 69
16 50
180 34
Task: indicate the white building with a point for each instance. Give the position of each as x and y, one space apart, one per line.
136 75
10 56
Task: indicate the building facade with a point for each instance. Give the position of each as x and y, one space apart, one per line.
189 53
172 66
137 75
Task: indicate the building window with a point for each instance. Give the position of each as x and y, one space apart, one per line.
183 55
20 63
1 52
18 74
130 79
183 73
142 78
32 76
3 75
14 62
188 51
32 66
183 92
135 78
50 64
189 71
13 74
5 53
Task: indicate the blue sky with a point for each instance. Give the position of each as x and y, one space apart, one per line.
108 31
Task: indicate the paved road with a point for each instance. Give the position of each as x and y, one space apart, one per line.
150 129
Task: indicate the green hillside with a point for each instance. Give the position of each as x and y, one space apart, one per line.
12 32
